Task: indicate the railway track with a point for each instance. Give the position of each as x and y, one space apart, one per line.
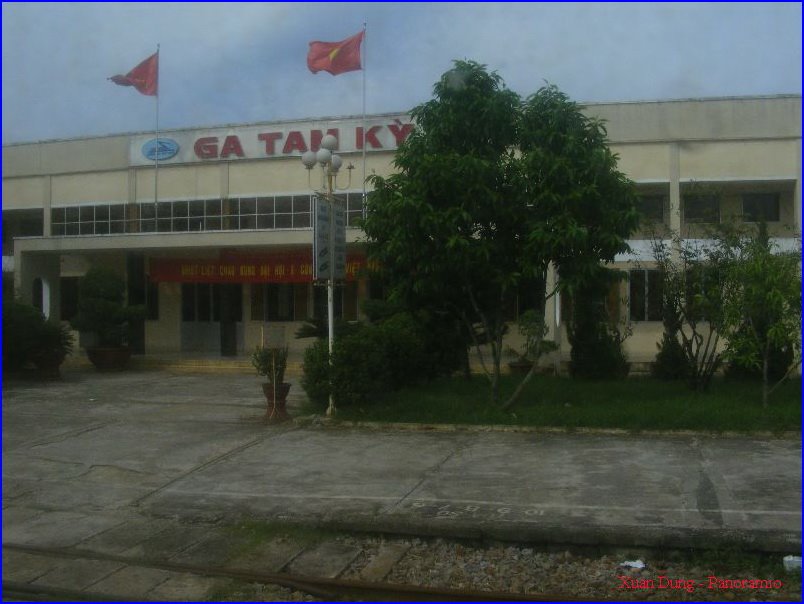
320 587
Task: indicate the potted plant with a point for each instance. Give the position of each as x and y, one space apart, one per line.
533 329
102 312
271 363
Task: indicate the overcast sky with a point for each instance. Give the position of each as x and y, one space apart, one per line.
239 63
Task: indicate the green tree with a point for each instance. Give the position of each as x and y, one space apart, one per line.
762 302
692 296
490 191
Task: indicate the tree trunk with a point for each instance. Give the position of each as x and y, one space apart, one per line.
765 364
496 355
467 369
541 310
521 386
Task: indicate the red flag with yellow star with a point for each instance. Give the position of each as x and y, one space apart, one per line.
144 77
335 57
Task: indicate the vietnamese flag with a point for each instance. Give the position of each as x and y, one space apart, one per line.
144 77
335 57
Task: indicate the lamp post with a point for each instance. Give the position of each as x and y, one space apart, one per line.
330 164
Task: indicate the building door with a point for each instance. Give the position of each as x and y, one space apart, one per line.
231 305
211 319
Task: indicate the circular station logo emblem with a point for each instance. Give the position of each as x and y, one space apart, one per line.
160 149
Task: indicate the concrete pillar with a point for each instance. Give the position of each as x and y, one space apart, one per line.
552 317
47 200
224 179
674 165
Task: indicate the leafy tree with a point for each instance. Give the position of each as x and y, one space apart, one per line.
762 302
736 286
692 289
490 191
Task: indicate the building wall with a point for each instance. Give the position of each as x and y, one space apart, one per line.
88 188
25 193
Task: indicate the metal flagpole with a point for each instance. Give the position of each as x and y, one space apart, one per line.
365 46
156 153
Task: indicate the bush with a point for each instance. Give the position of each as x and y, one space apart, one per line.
368 362
55 342
315 379
29 338
671 362
21 325
445 344
597 354
361 369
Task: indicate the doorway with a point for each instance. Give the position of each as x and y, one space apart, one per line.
212 318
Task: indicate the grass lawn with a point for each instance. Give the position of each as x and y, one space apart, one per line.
632 404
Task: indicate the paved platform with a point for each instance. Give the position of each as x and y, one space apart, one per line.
97 451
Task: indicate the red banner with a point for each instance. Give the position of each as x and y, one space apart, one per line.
237 268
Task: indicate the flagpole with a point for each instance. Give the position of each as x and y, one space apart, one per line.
365 62
156 153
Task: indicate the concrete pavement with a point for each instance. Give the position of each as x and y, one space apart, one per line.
98 451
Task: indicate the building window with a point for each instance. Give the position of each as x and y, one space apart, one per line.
645 295
701 209
278 301
761 207
301 211
354 208
212 215
235 214
21 223
89 220
651 208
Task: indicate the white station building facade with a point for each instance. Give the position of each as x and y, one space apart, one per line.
217 241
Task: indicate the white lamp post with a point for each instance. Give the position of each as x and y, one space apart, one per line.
330 164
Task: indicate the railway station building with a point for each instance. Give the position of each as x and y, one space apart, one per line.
216 241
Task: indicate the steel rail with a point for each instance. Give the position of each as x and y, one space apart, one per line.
317 586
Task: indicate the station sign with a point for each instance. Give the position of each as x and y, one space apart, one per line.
280 139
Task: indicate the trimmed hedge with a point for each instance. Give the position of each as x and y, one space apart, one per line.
370 361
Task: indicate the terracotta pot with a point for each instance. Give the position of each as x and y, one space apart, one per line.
109 358
276 411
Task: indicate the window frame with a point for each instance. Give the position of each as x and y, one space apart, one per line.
774 196
704 217
652 303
